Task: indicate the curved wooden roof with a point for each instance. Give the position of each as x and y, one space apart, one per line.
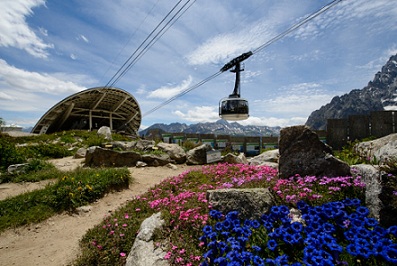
91 109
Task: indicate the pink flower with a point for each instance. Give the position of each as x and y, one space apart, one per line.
126 216
122 254
125 225
137 209
168 255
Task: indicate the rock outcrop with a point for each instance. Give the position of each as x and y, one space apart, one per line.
198 155
176 152
98 157
250 203
144 252
302 152
231 158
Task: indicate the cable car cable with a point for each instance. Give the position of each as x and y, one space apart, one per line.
163 30
246 55
130 37
127 64
298 25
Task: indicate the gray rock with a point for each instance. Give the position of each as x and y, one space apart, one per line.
144 145
143 252
302 152
176 152
267 156
172 166
105 132
250 203
124 145
80 153
198 155
379 150
140 164
156 159
17 168
371 177
235 159
97 157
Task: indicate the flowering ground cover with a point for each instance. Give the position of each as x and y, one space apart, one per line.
187 239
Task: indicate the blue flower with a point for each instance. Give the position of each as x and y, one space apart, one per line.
364 252
362 211
371 222
258 261
255 224
352 249
297 227
390 254
207 229
233 215
219 226
392 230
272 244
215 214
302 205
221 261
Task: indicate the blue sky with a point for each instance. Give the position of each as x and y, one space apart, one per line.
52 49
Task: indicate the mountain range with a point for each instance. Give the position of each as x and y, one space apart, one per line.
220 127
379 95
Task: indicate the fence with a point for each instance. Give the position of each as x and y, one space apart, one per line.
251 146
356 127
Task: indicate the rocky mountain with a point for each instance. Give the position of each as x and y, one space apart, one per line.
220 127
380 94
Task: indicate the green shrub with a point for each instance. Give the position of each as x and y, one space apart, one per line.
8 152
45 150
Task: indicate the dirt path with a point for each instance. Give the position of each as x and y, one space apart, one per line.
56 240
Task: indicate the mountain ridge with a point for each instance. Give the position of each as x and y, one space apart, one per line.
380 94
220 127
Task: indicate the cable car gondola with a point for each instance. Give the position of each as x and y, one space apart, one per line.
234 107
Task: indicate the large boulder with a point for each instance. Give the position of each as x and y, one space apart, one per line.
143 251
250 203
265 158
302 152
124 145
198 155
233 159
105 132
97 157
176 152
378 150
156 159
145 145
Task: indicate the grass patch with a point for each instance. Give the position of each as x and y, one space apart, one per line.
72 189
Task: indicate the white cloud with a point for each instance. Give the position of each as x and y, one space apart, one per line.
297 99
73 56
14 30
82 37
273 121
199 114
13 78
167 92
